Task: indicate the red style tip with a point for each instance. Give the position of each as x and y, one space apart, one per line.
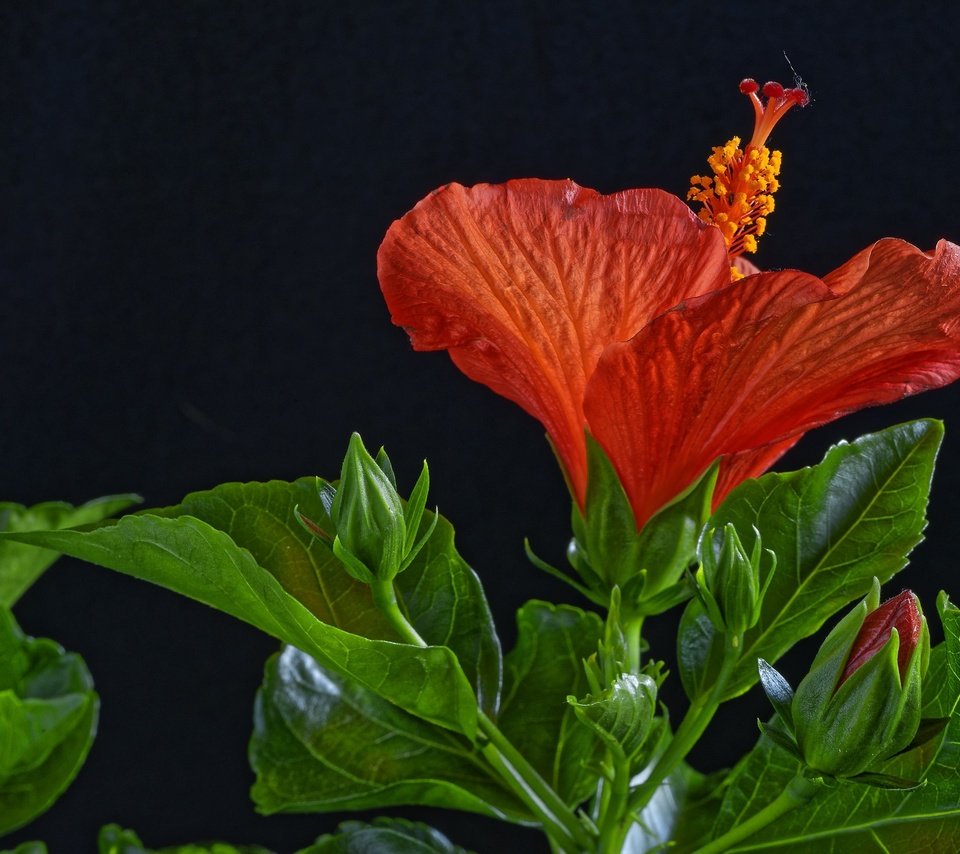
800 96
772 89
748 86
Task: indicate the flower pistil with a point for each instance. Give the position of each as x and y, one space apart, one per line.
738 196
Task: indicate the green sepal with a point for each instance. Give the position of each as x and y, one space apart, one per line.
383 461
668 542
368 515
609 526
728 579
782 738
596 597
650 606
413 512
622 714
353 565
778 692
886 781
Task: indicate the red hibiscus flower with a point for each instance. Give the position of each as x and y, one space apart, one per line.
616 314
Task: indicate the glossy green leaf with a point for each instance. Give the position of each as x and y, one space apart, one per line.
442 594
855 817
699 650
189 556
113 839
680 812
322 743
48 720
543 669
20 565
384 836
833 527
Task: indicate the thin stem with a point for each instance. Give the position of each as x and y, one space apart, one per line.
558 820
613 827
632 630
692 726
796 793
385 598
538 791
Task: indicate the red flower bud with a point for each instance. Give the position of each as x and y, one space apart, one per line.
900 613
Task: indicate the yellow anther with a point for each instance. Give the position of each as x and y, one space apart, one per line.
738 197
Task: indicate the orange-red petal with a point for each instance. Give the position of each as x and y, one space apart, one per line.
526 283
745 371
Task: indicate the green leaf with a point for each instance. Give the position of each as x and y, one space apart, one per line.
699 650
21 566
188 556
113 839
680 813
322 743
833 527
668 542
48 720
27 848
442 594
856 817
384 836
543 669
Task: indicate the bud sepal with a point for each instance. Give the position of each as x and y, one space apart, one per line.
860 703
728 579
375 534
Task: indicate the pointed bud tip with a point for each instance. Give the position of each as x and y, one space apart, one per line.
902 613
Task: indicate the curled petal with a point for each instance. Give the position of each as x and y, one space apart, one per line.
526 283
745 371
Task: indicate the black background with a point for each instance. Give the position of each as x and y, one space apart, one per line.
193 196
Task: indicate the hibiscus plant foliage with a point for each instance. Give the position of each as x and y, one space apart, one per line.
670 374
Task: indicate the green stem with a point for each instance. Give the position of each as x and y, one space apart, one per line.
385 598
557 817
694 722
797 792
613 823
632 631
558 820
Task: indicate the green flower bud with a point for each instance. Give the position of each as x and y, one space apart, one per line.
368 517
728 579
376 534
860 702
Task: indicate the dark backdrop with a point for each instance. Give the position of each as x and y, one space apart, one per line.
193 196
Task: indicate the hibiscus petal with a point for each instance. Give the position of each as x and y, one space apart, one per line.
525 283
749 369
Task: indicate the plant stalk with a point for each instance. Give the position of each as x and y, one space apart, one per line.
558 820
796 793
694 722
